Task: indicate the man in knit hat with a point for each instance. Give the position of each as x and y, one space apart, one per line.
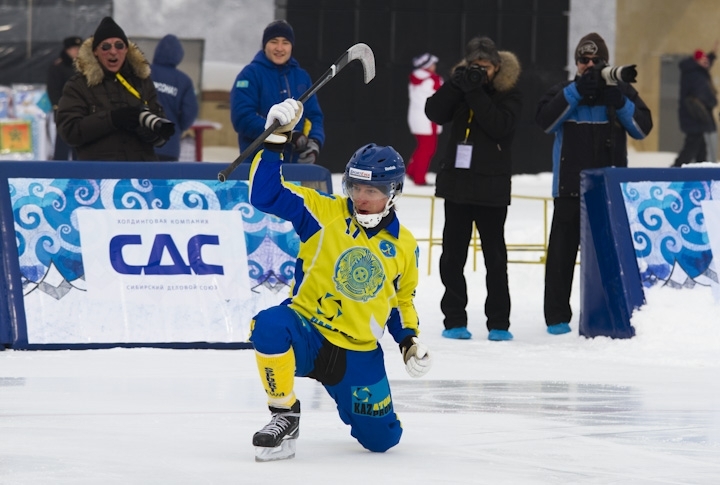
591 121
424 81
698 97
58 74
104 108
272 76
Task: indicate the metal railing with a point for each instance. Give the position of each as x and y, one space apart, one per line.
534 247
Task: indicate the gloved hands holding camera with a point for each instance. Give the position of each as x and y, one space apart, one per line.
588 84
469 78
612 96
127 118
416 356
162 127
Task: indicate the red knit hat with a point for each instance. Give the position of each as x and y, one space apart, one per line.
699 54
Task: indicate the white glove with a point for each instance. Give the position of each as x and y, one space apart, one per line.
417 358
287 113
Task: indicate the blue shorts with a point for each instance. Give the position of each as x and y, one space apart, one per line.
357 381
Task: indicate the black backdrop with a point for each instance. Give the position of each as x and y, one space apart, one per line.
397 30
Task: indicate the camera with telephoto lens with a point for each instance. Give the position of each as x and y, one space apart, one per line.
158 125
612 74
476 74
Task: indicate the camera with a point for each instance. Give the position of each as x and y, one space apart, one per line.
476 74
612 74
161 126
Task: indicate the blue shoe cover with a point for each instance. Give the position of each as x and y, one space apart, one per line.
558 328
460 333
499 335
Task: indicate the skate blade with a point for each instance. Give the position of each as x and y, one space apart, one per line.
285 451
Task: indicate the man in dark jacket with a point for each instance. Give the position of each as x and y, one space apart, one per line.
591 120
175 93
58 74
483 104
271 77
697 100
109 109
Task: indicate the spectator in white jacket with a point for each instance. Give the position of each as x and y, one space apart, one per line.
424 81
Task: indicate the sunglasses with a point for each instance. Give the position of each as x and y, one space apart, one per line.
585 60
106 46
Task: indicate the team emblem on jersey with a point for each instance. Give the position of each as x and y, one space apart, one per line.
388 249
358 274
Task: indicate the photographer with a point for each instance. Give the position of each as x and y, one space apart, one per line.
483 104
591 117
109 109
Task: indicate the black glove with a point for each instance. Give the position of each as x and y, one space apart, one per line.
311 152
127 118
612 96
588 84
299 141
460 80
166 129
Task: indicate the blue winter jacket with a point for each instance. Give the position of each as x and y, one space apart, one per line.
259 86
175 91
587 133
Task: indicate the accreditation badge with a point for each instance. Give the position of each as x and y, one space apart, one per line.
463 155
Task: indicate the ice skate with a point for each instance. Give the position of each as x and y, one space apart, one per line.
276 441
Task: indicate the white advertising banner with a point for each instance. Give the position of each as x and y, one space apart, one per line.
153 276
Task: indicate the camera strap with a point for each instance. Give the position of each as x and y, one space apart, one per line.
463 155
467 130
129 87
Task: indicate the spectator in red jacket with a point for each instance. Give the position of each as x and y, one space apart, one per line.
424 81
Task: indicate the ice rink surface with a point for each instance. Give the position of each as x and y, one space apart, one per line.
540 409
149 416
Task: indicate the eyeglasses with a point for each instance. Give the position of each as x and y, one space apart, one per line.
585 60
106 46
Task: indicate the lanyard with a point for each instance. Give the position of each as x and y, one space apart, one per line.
129 87
467 130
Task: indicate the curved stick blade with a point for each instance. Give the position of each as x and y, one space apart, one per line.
364 54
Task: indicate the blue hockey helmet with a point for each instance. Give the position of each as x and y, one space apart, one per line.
378 166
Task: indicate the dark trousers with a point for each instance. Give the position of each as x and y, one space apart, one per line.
490 222
693 149
560 263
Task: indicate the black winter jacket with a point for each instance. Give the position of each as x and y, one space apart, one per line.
83 116
588 134
495 111
697 97
58 74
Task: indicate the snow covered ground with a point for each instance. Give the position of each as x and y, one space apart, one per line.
538 409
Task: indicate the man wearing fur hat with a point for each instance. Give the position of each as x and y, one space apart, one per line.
271 77
104 108
591 120
483 104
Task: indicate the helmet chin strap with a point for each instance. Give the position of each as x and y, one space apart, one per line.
368 221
